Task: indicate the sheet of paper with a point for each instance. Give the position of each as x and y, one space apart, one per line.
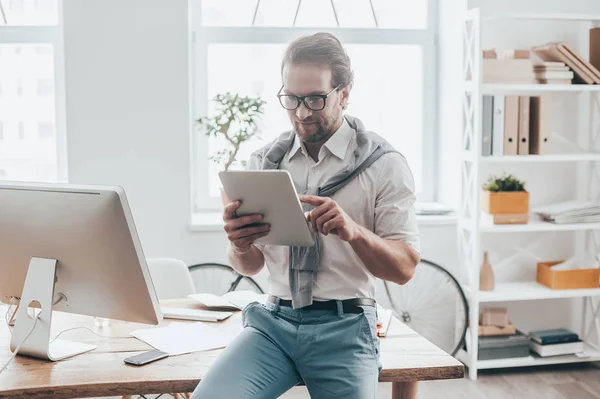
180 338
212 301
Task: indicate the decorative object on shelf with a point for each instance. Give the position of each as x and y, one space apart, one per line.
573 274
505 196
516 54
511 67
497 316
495 321
486 275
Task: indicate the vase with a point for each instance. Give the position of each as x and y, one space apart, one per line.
486 275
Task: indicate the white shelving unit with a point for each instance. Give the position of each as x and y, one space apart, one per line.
471 227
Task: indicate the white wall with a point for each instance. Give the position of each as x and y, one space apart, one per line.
128 119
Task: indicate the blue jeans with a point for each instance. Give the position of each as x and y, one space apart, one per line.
335 354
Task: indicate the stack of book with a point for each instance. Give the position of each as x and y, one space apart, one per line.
553 73
584 71
555 342
498 337
575 211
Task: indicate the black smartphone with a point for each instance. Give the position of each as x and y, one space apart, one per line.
146 357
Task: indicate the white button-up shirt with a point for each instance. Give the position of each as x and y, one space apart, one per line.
381 198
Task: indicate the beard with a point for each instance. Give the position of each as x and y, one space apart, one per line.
315 132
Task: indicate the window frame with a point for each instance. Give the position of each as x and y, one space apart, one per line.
203 36
54 35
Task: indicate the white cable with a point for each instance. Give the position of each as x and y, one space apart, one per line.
10 359
12 299
85 328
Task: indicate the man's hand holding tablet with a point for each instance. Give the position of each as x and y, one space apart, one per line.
244 230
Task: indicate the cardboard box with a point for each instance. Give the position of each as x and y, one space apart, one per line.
509 218
486 331
505 202
494 317
503 347
566 279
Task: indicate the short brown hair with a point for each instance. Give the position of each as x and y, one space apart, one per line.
321 48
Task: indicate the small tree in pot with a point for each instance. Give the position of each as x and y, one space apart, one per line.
235 119
505 195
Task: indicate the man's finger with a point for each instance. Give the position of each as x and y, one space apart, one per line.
249 231
229 210
243 242
335 223
316 213
242 221
312 199
324 218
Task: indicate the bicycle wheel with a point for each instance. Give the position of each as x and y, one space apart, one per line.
433 304
218 279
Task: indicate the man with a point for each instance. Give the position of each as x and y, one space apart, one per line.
318 326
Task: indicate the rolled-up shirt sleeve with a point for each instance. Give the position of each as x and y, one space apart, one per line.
395 216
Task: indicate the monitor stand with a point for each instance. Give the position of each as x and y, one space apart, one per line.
39 286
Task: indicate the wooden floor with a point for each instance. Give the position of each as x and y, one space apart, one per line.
576 381
579 381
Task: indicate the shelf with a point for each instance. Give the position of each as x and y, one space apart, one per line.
532 360
546 17
529 89
582 157
528 291
533 226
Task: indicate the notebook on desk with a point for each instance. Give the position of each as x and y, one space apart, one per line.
194 314
234 300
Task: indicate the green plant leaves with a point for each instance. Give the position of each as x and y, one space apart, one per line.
504 183
236 120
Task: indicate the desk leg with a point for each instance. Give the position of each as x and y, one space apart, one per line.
405 390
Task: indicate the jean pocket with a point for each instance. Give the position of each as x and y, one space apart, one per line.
245 312
369 317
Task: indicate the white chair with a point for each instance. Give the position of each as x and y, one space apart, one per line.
171 278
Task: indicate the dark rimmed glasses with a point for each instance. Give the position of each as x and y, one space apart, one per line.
314 102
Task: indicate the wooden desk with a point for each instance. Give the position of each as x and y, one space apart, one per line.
406 357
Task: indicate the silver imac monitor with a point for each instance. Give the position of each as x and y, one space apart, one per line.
70 248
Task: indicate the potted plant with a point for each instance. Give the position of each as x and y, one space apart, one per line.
235 121
505 195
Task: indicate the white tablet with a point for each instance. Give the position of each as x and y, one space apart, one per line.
272 194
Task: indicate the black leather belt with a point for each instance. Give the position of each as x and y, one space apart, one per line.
349 305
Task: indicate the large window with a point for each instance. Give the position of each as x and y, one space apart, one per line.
31 91
238 45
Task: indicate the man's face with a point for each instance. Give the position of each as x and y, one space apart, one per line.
307 79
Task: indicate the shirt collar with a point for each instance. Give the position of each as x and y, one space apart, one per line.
337 143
